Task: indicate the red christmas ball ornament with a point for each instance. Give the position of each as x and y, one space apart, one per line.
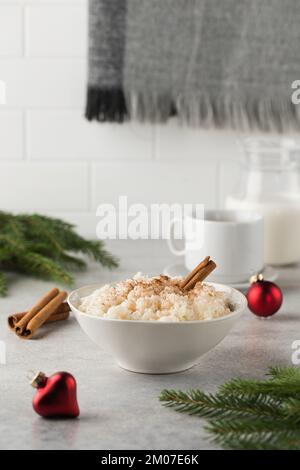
264 297
55 396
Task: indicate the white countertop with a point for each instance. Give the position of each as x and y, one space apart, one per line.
119 409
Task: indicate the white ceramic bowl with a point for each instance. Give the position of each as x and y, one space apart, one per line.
153 347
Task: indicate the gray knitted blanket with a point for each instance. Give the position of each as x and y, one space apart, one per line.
213 63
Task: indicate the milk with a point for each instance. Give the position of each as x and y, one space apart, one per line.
281 225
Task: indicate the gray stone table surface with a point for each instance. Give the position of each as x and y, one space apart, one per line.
119 409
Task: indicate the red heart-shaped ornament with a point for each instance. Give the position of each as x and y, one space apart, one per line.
55 396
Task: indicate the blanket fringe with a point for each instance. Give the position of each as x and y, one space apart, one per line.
245 114
106 105
224 112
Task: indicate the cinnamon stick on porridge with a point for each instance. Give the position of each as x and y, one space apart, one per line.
201 271
159 298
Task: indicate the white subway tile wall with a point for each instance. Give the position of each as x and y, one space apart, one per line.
154 182
60 33
11 135
44 187
65 134
52 160
43 83
11 31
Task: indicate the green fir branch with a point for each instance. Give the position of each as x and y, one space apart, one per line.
3 284
41 266
273 439
283 382
97 251
247 414
45 247
62 236
196 402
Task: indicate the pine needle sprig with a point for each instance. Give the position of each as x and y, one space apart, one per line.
206 405
45 247
283 382
62 236
251 424
39 265
3 284
247 414
258 440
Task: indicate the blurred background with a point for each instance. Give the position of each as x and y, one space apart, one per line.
53 161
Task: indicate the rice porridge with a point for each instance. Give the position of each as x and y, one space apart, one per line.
158 298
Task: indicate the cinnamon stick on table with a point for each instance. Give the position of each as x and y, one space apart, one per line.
60 314
41 316
21 325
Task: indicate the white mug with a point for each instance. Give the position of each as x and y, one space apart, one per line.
233 239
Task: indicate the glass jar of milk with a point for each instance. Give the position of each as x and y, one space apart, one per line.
269 184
